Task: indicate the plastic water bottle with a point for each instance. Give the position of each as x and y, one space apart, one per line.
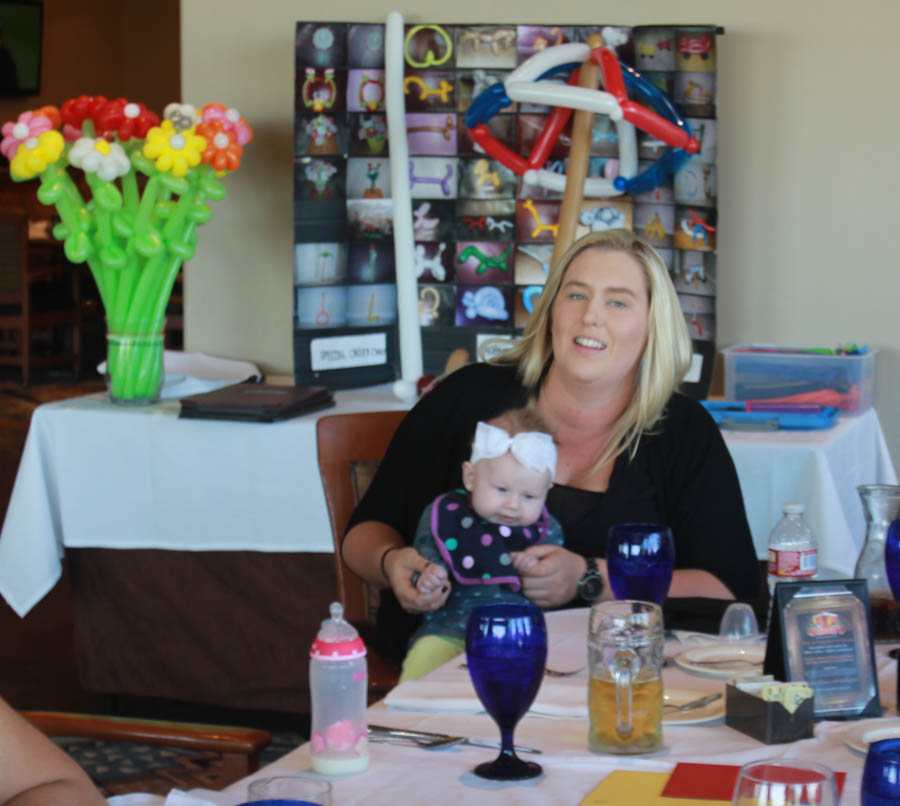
338 682
793 552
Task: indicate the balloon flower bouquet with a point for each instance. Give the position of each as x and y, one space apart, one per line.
133 232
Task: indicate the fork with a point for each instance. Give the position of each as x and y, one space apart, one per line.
563 672
690 706
434 741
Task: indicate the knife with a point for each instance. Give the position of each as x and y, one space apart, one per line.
400 733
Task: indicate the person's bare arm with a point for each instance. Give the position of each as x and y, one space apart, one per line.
553 580
35 772
689 582
378 554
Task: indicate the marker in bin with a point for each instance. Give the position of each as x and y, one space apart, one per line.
776 408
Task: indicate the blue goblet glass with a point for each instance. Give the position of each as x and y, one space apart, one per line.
506 651
640 558
881 774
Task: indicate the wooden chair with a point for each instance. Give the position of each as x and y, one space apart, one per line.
350 447
236 750
39 294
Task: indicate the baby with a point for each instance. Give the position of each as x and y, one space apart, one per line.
476 535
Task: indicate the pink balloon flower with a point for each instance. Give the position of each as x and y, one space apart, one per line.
28 125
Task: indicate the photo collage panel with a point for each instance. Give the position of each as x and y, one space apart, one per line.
483 236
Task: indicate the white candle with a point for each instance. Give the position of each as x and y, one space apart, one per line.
404 262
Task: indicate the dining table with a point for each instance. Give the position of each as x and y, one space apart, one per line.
142 504
444 701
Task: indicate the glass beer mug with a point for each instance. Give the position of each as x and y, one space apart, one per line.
625 694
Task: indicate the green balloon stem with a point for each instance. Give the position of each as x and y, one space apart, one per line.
148 205
130 195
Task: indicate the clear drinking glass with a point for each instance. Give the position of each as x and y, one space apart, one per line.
738 623
289 790
625 693
785 782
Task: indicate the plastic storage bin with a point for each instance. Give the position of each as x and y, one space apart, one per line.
845 381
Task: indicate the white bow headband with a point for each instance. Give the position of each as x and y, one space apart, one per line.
531 448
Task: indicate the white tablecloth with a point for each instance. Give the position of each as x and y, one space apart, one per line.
403 775
821 469
95 474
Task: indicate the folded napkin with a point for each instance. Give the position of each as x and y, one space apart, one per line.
556 698
691 637
195 373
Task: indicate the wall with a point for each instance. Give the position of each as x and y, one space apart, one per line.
807 167
102 47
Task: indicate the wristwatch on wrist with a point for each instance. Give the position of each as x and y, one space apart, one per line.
591 584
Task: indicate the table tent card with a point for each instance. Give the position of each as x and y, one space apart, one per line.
483 236
821 633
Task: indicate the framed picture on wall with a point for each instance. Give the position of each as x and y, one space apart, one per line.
21 26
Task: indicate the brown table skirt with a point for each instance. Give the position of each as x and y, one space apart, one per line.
224 628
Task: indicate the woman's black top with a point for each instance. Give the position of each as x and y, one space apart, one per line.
682 475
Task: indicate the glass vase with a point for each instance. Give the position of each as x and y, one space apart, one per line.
881 506
134 365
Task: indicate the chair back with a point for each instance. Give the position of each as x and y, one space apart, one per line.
35 300
13 258
350 448
220 755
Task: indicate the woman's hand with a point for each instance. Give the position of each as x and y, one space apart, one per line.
399 566
553 580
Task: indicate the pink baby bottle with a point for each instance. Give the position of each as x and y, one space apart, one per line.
338 682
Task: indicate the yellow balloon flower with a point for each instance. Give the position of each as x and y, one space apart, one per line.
173 151
35 154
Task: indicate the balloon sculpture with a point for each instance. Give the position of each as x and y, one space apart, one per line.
133 239
526 84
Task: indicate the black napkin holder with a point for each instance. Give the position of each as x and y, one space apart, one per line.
767 722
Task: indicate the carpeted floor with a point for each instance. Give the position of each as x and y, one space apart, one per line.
119 767
29 678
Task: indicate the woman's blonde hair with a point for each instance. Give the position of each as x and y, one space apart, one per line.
666 357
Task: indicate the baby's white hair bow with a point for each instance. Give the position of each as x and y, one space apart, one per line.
532 449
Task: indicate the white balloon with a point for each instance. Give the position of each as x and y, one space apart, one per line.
546 59
404 259
554 94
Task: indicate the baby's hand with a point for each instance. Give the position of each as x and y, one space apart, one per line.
431 579
522 562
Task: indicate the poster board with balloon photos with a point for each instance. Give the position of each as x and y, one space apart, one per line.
483 235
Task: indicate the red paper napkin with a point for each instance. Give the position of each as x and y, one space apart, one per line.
711 781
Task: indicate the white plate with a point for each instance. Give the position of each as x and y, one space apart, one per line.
173 380
722 660
680 696
861 736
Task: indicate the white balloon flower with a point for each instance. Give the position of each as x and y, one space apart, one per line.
96 155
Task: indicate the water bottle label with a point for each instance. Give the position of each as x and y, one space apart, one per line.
793 563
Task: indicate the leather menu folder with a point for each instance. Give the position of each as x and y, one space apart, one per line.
256 402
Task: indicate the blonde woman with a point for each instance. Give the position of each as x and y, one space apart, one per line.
601 358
